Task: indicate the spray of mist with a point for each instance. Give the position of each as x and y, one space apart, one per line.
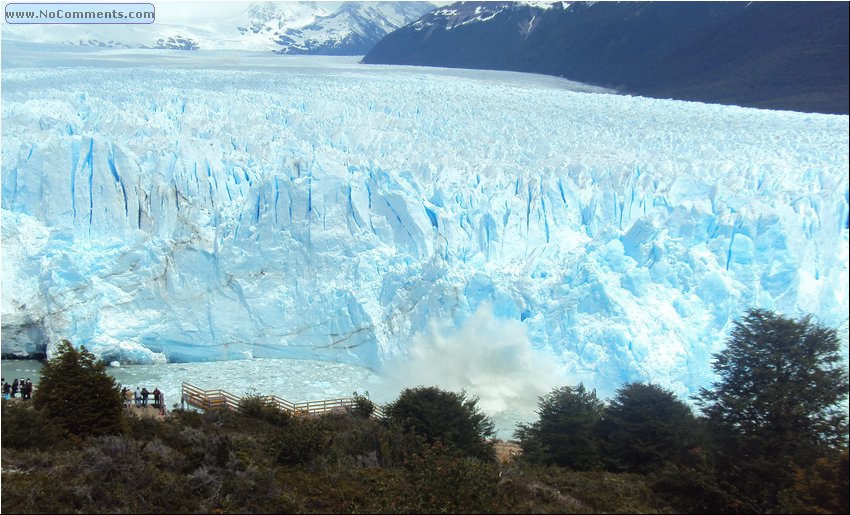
487 357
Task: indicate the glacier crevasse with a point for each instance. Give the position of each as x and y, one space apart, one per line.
332 213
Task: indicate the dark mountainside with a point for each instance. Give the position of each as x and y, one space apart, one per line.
771 55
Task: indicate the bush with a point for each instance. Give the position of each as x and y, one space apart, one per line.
692 489
443 480
823 487
341 439
448 417
644 428
363 406
303 442
25 427
205 448
564 434
532 488
77 394
259 407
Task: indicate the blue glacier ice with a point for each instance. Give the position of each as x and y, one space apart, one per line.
157 209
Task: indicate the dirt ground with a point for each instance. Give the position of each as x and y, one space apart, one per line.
145 412
507 451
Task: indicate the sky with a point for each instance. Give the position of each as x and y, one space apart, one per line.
208 19
179 10
170 11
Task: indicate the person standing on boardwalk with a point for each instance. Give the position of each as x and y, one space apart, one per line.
7 389
145 394
156 395
138 397
14 388
128 397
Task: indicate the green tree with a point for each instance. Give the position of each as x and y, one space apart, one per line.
447 417
645 427
76 393
564 434
776 405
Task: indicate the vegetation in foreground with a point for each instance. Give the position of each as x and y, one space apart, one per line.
775 408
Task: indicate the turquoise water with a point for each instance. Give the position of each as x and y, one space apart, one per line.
21 369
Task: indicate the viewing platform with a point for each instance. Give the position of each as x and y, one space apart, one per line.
222 400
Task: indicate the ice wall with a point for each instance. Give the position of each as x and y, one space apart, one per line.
186 214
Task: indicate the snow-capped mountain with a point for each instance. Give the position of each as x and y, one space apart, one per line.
466 13
774 55
351 28
335 28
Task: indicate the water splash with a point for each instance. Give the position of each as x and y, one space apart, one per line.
488 357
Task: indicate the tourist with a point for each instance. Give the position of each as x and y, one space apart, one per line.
26 390
145 394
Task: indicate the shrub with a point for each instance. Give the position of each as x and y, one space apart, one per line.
77 394
443 480
533 488
363 406
448 417
303 442
205 448
564 434
25 427
260 407
645 427
692 489
823 487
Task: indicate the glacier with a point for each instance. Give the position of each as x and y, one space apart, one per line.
161 208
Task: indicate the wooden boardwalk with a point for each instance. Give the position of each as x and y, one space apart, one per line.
222 400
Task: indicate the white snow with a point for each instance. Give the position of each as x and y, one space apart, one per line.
158 207
251 26
452 18
544 5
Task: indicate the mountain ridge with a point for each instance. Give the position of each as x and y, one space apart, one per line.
319 28
788 55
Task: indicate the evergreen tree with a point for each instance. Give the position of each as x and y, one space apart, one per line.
564 434
776 405
448 417
76 392
645 427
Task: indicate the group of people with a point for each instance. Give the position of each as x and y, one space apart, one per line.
10 391
140 398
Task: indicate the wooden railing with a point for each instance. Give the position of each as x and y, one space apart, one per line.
220 399
209 399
